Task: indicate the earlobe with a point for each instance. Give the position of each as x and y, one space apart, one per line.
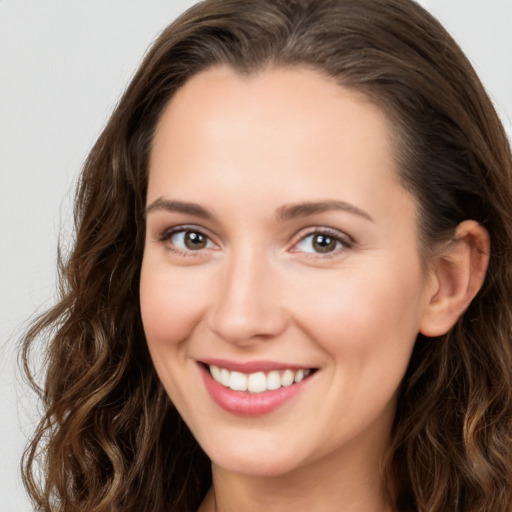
457 275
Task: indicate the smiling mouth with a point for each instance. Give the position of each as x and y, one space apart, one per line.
258 382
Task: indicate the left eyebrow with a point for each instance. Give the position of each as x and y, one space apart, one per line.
292 211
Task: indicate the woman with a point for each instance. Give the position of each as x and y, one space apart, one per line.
290 285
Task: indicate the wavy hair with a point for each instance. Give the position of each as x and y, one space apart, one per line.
110 439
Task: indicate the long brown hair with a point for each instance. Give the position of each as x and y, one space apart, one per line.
110 439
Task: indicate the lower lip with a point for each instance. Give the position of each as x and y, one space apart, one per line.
249 404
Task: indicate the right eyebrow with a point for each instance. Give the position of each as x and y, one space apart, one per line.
169 205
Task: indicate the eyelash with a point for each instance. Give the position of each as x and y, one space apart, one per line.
343 242
167 235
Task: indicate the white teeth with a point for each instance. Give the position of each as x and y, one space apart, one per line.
273 380
224 377
287 378
238 381
299 376
257 382
216 371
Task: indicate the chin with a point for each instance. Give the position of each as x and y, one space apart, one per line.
270 459
256 467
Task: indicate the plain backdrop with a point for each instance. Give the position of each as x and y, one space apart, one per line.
63 66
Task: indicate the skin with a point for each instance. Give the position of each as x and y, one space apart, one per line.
244 149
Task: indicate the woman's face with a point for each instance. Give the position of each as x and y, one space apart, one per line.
280 246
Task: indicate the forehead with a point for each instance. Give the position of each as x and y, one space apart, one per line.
242 147
282 114
296 94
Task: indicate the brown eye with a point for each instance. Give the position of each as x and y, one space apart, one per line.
324 243
194 240
186 240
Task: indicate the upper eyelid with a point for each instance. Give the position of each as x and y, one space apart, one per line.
166 232
335 233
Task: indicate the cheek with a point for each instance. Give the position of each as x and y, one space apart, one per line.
374 309
170 305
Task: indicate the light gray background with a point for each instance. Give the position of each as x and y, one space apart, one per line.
63 66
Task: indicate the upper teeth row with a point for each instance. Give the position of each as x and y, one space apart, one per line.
257 382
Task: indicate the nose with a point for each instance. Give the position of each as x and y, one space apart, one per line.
247 308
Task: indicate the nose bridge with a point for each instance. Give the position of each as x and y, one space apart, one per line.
246 307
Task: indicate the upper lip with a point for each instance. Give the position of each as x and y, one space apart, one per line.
252 366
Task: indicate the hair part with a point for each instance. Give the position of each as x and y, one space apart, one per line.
110 439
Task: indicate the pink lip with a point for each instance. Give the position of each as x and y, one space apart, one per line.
249 404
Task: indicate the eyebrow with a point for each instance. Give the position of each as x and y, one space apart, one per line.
283 213
177 206
289 212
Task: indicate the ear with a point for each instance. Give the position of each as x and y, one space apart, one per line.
457 274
